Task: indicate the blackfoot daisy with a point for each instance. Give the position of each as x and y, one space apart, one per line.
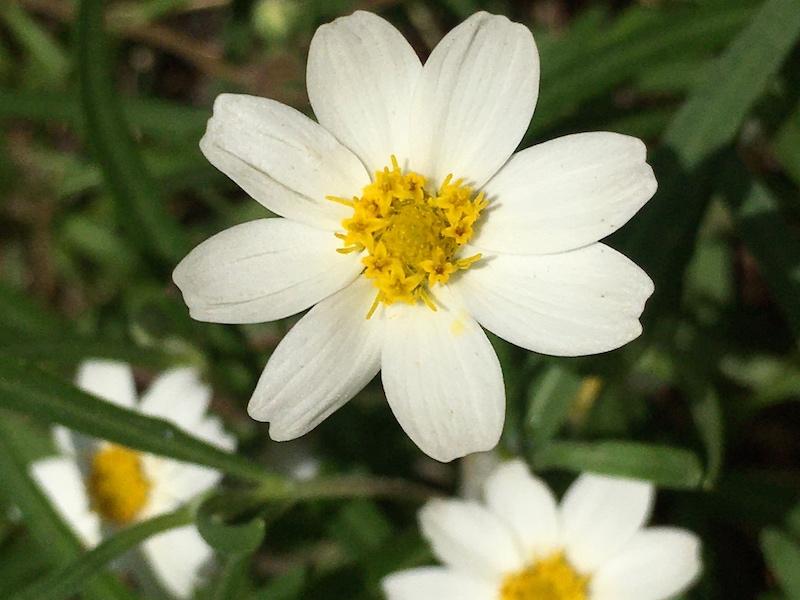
408 224
99 487
523 546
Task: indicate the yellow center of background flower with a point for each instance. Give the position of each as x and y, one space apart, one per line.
411 237
550 579
118 486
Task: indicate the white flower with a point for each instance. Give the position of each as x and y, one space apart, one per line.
405 205
99 487
523 546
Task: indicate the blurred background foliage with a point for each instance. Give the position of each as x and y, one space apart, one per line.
103 189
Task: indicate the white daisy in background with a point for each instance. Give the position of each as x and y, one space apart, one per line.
99 487
408 224
523 546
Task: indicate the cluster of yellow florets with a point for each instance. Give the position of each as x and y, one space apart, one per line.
118 486
550 579
411 236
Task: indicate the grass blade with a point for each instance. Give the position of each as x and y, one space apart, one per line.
141 208
67 580
54 538
31 391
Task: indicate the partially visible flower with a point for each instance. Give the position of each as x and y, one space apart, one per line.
523 546
408 225
99 487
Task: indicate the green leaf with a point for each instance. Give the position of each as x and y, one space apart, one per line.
551 396
141 209
639 40
164 120
65 581
783 557
665 466
227 537
707 416
55 539
32 391
48 56
284 587
708 120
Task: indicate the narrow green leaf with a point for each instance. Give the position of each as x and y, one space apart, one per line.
65 581
54 537
632 46
48 55
32 391
707 416
666 466
551 396
142 210
783 557
708 120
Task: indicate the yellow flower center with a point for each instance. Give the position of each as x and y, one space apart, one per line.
118 486
412 238
550 579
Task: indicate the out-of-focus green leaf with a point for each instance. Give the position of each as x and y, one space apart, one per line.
787 146
611 57
65 581
54 537
285 587
158 118
360 527
774 245
551 395
229 538
22 315
141 208
708 418
708 120
783 557
48 56
666 466
30 390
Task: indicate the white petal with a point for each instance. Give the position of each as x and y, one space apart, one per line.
580 302
599 515
527 505
176 557
658 563
320 364
565 193
442 379
110 380
261 271
210 429
470 539
361 75
62 483
436 583
178 396
283 159
72 443
474 100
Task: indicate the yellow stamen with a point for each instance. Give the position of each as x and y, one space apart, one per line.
550 579
412 237
118 487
